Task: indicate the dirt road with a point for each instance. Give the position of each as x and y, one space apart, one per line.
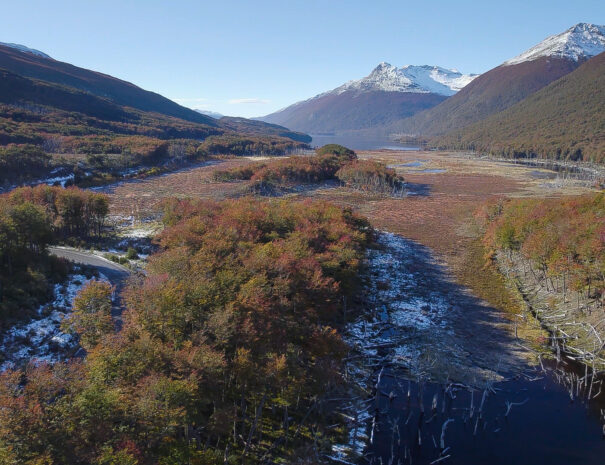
114 272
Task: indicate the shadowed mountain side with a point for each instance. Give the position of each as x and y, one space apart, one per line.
256 127
99 84
351 110
564 120
489 93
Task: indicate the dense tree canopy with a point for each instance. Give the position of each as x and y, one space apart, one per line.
30 219
371 176
561 237
227 344
562 121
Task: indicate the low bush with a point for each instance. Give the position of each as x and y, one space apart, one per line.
371 176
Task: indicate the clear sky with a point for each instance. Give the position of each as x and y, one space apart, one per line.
250 58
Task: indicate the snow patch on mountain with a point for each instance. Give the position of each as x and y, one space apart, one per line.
212 114
409 78
23 48
578 42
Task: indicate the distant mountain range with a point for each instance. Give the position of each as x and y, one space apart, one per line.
212 114
386 95
563 120
501 111
465 111
509 83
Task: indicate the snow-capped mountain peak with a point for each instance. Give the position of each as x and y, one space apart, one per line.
23 48
409 78
578 42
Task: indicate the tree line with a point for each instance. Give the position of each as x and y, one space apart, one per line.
331 162
30 219
561 241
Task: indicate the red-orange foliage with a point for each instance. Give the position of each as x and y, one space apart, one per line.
235 320
370 176
285 171
562 237
73 211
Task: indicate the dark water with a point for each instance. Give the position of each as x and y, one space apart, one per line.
423 327
360 142
545 427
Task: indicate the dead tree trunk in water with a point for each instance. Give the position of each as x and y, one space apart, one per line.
259 412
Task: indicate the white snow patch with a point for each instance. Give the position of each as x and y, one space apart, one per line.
23 48
409 78
406 319
42 340
58 179
140 232
578 42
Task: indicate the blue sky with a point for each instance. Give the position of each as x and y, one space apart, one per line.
250 58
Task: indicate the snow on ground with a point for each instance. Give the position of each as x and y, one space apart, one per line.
406 310
410 322
42 340
61 180
132 228
141 231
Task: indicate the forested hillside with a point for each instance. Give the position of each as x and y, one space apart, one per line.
92 82
249 126
229 344
489 93
52 113
553 252
564 120
563 239
42 122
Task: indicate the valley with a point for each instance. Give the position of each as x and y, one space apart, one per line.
408 268
433 320
428 326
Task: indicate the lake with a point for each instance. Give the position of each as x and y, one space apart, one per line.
359 142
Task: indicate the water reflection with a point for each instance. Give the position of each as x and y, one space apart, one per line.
528 420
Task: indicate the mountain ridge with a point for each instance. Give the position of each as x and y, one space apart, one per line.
34 66
409 78
387 94
23 48
507 84
579 42
563 120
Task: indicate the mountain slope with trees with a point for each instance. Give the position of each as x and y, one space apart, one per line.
42 121
509 83
490 93
99 84
564 120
